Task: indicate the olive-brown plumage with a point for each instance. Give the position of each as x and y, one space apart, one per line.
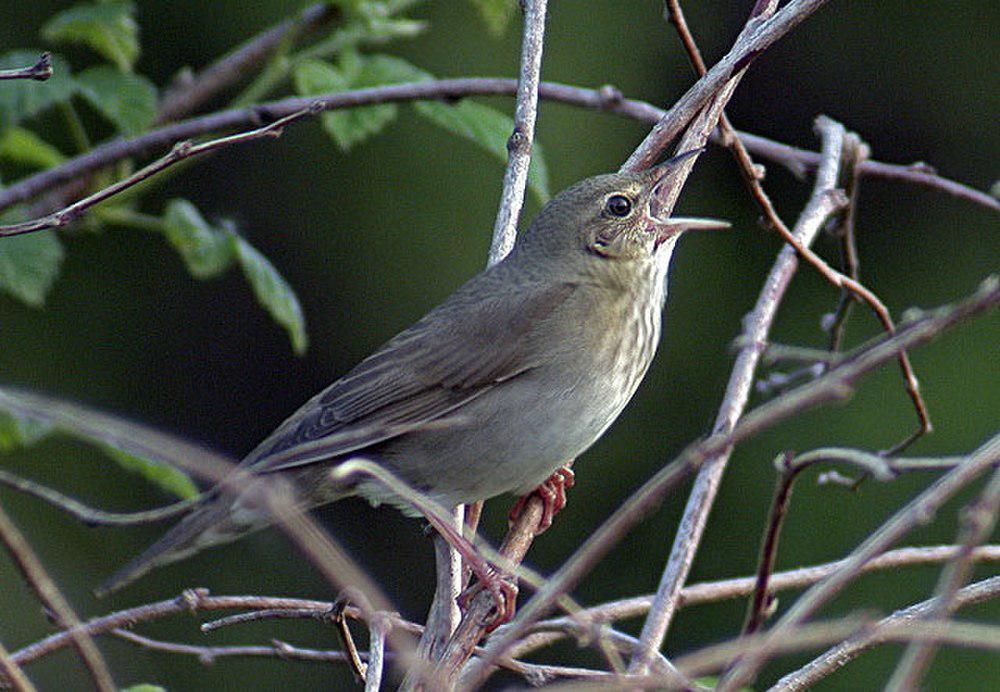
528 362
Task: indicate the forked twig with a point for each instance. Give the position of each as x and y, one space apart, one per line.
179 152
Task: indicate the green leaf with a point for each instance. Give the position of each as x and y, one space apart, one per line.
17 431
489 129
21 99
144 687
127 100
29 264
25 147
354 125
165 476
273 292
496 13
109 28
206 249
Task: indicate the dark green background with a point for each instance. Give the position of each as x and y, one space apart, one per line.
373 239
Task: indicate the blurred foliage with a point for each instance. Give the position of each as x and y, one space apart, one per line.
362 227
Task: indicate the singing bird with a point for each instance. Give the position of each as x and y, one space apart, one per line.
528 363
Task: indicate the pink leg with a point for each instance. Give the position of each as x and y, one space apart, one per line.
553 495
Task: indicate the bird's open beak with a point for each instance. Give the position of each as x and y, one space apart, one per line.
661 223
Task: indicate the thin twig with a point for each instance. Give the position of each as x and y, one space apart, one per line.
846 651
789 467
856 152
179 152
92 516
519 143
916 513
978 521
833 386
606 99
51 597
40 71
757 325
207 655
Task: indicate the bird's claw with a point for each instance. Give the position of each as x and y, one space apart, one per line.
504 592
552 493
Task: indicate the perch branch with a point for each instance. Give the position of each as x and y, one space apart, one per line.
11 674
40 71
833 386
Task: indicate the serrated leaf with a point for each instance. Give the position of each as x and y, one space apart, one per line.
273 292
496 13
17 431
206 250
21 99
349 127
29 265
109 28
25 147
127 100
489 129
166 477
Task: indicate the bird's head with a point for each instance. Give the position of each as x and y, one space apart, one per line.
612 218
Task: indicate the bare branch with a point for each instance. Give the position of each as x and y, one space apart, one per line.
190 93
379 627
208 654
833 386
180 151
40 71
757 325
520 142
916 513
50 596
11 673
978 522
846 651
90 515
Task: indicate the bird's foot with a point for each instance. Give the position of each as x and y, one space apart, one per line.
552 494
504 592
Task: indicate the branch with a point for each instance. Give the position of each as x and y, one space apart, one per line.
182 150
978 521
789 467
50 597
916 513
40 71
190 93
607 99
833 386
846 651
757 326
92 516
520 142
856 152
11 673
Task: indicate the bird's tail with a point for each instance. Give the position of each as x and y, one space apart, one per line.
213 523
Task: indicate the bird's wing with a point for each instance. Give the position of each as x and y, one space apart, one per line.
461 349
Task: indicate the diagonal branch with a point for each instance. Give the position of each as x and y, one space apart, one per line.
40 71
916 513
51 597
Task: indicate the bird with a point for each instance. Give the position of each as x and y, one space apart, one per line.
493 391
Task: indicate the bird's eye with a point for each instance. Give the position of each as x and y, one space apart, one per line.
618 205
